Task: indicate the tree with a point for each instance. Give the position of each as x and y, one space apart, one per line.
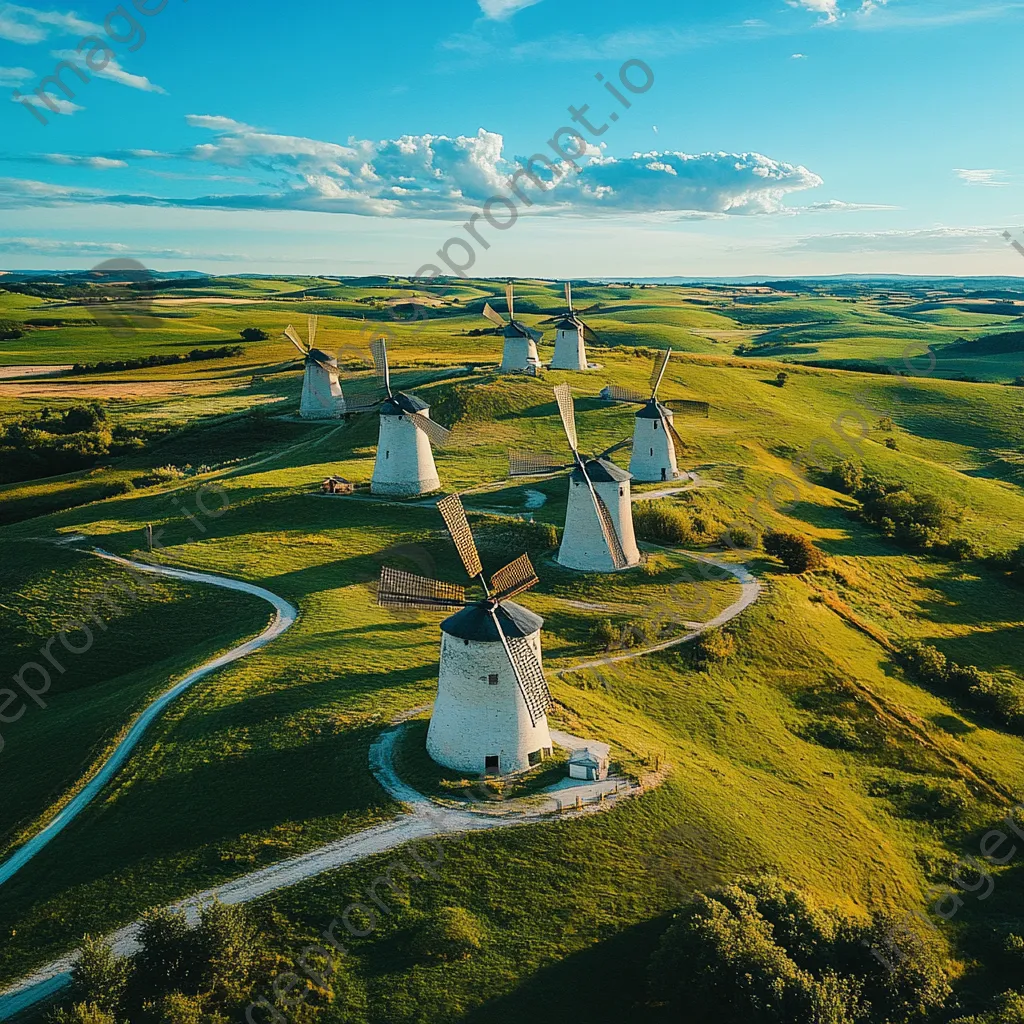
100 975
253 334
83 1013
10 331
780 380
795 551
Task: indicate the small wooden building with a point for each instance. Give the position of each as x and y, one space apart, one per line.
588 765
337 485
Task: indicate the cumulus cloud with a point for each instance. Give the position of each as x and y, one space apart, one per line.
27 25
828 9
499 10
437 176
986 178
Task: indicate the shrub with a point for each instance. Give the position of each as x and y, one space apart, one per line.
927 801
83 1013
1009 1009
604 634
795 551
253 334
504 539
845 477
661 523
739 537
781 379
99 974
453 933
713 647
759 952
10 331
890 443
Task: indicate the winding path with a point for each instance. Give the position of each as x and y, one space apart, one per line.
423 820
283 619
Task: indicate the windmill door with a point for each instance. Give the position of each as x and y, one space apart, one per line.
493 765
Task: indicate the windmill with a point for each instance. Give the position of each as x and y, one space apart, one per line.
322 398
598 533
490 715
571 337
520 354
405 459
656 442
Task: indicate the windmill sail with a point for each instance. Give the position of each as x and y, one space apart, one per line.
528 671
435 432
516 578
659 372
567 411
379 351
495 317
400 590
454 516
529 464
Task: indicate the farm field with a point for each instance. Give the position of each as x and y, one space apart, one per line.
790 754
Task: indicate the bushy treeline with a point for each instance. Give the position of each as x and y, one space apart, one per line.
197 355
180 975
54 443
915 519
999 699
10 330
760 952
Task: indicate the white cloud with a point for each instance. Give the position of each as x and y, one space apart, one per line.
95 163
15 76
436 176
499 10
112 72
15 192
986 178
934 241
27 25
63 106
828 9
838 206
72 248
799 56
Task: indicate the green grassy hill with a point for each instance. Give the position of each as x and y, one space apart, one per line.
269 757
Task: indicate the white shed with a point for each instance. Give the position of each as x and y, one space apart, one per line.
588 765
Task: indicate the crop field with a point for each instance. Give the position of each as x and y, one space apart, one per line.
789 755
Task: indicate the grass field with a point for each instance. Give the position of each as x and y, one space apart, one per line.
269 756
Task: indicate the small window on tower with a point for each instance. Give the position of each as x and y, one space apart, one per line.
492 679
655 424
652 453
622 492
387 455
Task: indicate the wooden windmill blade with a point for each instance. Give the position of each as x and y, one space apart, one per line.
361 402
660 366
454 516
589 335
495 317
688 408
289 333
379 351
531 464
510 295
568 295
313 322
604 517
516 578
527 669
400 590
567 410
678 444
438 435
620 394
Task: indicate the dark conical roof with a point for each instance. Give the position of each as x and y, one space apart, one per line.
475 623
602 471
401 404
654 411
322 357
568 323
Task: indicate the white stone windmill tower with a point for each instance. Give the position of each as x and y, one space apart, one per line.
490 715
598 533
322 398
656 442
520 352
405 459
571 337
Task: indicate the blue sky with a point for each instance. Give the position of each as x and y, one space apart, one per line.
796 137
